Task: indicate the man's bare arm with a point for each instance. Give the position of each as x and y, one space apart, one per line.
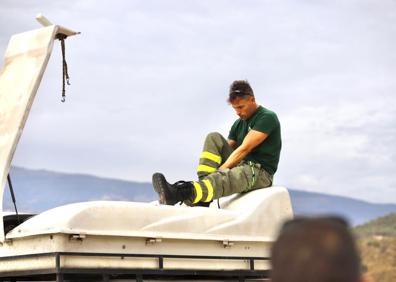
251 141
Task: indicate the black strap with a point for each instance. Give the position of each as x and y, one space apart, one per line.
65 74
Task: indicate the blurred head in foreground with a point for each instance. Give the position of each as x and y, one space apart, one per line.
315 250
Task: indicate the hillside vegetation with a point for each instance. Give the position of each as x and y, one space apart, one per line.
382 226
377 244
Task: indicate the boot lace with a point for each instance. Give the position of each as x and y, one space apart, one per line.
184 189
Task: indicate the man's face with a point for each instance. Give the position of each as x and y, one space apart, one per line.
244 106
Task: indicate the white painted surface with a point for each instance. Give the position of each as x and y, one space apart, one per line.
26 58
245 226
253 216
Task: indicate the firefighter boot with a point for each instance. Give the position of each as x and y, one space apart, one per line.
170 194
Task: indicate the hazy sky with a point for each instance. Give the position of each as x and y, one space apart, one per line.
150 79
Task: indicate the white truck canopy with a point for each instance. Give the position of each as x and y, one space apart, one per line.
123 239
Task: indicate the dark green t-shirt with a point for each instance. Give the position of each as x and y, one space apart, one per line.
267 153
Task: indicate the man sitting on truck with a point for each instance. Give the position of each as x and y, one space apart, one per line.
247 160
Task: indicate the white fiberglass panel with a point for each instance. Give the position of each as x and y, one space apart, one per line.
26 58
253 216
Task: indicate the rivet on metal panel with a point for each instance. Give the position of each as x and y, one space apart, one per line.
151 241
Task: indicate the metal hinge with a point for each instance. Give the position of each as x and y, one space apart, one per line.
77 237
227 244
152 241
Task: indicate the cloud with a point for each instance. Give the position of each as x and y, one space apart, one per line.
341 149
150 79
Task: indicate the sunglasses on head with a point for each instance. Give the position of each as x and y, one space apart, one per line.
239 93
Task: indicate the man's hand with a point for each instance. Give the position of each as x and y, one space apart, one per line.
232 143
251 141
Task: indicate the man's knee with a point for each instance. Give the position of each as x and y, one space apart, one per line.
214 135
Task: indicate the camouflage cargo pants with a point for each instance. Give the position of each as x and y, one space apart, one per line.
214 183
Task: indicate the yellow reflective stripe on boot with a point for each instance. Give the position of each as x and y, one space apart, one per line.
211 156
206 168
198 192
210 190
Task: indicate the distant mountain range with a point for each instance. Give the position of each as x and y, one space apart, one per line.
39 190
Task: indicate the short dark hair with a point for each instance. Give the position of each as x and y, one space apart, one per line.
315 249
238 89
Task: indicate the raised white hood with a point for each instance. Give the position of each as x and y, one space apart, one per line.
25 61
